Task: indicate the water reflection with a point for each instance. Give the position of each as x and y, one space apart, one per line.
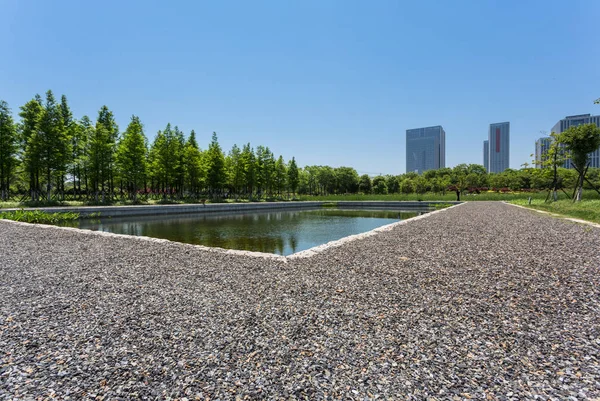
279 232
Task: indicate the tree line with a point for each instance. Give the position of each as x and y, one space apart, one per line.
466 178
48 155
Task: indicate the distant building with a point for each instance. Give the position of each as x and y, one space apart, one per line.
425 149
499 147
486 155
573 121
542 146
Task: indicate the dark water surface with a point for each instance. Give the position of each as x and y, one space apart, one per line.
279 232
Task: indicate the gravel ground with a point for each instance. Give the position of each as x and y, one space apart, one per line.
481 301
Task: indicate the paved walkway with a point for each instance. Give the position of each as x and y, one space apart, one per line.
480 301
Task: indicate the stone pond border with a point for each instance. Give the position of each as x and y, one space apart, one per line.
302 254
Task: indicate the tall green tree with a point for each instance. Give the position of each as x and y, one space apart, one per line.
8 149
293 178
98 151
110 134
54 142
195 174
31 144
248 162
131 157
235 170
280 175
86 132
581 141
179 155
215 162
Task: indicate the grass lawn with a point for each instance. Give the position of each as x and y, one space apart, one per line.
587 209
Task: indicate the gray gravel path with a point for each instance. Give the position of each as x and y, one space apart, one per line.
481 301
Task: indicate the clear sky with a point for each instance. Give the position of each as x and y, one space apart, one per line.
329 82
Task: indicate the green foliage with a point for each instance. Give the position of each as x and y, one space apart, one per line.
293 178
379 185
39 217
364 184
131 157
580 141
8 149
215 162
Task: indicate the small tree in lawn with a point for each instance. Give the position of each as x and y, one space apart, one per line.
555 157
580 141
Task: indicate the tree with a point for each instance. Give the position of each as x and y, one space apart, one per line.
459 179
70 130
110 135
407 186
551 161
235 169
8 149
364 184
280 175
580 141
193 167
379 185
131 157
347 179
78 157
392 183
53 141
29 135
248 162
98 148
420 185
292 176
215 161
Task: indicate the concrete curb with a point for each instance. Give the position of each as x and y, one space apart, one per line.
560 216
302 254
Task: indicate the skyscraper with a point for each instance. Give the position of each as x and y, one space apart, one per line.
486 155
425 149
573 121
499 147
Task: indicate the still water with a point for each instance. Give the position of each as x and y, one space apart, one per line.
279 232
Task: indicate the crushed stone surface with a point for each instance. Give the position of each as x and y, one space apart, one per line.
482 301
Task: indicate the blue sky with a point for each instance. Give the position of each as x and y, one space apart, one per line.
329 82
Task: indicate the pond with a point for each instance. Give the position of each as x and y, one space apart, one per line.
279 232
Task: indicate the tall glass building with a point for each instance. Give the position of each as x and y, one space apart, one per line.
486 155
573 121
425 149
499 147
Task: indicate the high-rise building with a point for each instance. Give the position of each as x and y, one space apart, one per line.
499 147
425 149
573 121
486 155
542 146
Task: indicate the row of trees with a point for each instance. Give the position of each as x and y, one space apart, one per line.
49 155
322 180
